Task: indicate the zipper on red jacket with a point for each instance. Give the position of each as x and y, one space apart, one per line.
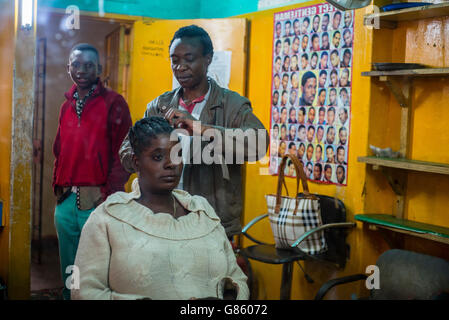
88 100
79 118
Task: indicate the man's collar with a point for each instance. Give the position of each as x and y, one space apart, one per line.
69 94
89 93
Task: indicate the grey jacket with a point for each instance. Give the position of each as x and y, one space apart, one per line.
220 183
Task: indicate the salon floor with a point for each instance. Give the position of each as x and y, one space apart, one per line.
46 283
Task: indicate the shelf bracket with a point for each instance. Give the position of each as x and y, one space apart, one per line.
375 21
400 89
397 179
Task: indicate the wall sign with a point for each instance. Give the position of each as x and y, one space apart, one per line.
311 91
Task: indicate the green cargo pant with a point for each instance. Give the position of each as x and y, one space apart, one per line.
69 222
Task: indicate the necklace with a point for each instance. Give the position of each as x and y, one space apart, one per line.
81 102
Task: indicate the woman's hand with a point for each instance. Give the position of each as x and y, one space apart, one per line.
183 120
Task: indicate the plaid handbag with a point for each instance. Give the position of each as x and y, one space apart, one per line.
291 217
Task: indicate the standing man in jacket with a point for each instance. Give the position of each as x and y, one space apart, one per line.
93 122
201 98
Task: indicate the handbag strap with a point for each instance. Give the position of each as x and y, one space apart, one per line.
300 176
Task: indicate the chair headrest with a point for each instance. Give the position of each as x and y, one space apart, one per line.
406 275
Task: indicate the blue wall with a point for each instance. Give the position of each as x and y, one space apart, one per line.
167 9
226 8
163 9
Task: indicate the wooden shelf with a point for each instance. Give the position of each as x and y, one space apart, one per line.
406 164
390 19
424 72
400 81
400 84
418 229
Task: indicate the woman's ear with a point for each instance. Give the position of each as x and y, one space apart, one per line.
209 58
135 162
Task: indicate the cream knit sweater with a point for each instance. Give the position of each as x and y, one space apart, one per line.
128 252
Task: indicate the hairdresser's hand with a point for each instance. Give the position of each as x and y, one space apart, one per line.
184 120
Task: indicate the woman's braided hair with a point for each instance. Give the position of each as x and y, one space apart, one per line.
144 130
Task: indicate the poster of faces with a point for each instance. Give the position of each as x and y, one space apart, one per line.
311 91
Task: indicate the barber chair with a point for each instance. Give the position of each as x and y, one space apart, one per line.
403 275
333 214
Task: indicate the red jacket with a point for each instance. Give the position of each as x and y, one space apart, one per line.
86 150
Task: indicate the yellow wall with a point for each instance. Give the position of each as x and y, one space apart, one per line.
426 42
150 64
151 76
375 119
259 84
6 73
150 72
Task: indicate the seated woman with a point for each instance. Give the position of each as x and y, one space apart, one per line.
156 242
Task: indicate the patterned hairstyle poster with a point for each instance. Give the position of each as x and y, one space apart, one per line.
311 91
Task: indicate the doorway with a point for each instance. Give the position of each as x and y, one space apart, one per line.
111 37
